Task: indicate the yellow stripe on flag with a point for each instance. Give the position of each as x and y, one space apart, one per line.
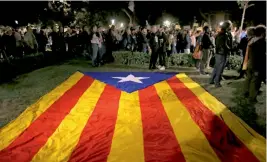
61 144
193 143
127 144
253 141
11 131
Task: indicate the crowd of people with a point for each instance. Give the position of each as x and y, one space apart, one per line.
160 42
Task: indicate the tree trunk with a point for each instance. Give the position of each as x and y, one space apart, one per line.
130 17
243 16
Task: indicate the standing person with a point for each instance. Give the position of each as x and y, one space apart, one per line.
243 47
154 46
85 40
31 44
256 66
230 40
198 36
180 42
193 41
110 43
187 42
19 43
101 46
206 46
212 50
223 48
95 42
127 41
144 40
162 48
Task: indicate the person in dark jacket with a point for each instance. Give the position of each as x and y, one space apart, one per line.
127 40
143 40
162 48
206 46
110 43
180 42
85 40
154 46
243 47
223 49
256 69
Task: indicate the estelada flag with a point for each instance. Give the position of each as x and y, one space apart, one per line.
129 117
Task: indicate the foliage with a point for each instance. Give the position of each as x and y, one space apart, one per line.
244 4
166 16
94 14
138 58
234 62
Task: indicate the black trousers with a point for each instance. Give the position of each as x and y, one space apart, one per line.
162 56
153 59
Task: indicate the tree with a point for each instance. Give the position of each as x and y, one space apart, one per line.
60 10
243 4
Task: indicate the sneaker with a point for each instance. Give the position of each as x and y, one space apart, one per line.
203 73
211 82
218 85
162 68
152 68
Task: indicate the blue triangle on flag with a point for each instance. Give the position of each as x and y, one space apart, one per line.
130 81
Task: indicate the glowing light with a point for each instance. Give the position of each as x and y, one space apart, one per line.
16 22
121 25
167 23
112 21
221 23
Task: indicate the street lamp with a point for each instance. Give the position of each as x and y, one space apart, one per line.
112 21
167 23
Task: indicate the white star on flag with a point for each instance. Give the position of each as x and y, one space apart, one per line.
130 78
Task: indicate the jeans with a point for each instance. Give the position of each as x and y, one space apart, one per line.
174 50
204 60
220 61
95 51
187 51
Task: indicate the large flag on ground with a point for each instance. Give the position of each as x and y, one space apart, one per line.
129 117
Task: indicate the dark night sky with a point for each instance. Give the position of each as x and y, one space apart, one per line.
184 10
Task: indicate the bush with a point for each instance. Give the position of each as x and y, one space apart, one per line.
234 62
139 58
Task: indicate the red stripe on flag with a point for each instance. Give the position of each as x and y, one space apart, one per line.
96 138
24 147
160 143
224 142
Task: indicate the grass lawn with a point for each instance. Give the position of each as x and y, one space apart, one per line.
26 89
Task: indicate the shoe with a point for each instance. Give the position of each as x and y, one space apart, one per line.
211 82
162 68
203 73
159 66
152 68
218 85
239 77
